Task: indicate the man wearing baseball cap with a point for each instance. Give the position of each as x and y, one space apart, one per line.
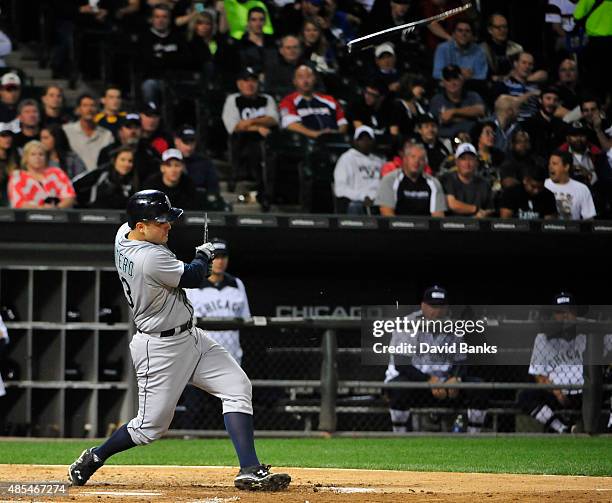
174 182
357 174
467 193
557 358
200 168
221 296
386 67
425 368
248 117
10 94
456 109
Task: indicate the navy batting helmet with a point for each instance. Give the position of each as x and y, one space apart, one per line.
148 205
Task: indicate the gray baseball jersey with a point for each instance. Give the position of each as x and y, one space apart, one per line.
150 274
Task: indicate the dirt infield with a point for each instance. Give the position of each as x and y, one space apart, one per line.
215 485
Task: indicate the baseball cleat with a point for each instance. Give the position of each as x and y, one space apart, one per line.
84 467
259 478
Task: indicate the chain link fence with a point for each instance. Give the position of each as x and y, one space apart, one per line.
308 375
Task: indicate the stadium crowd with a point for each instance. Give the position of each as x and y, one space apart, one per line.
454 118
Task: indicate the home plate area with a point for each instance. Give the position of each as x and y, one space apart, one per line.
199 484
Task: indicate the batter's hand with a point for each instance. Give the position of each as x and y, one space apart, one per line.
206 249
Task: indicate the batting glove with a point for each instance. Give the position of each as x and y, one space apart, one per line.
206 249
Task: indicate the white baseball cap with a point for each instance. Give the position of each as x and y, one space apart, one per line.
382 48
363 129
10 79
172 153
465 148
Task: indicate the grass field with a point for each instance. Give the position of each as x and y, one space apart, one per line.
530 455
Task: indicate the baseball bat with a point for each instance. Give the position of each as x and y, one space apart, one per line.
368 41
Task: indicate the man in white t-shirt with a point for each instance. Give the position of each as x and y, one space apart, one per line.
357 174
574 199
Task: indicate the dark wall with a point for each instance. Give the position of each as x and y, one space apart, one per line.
338 266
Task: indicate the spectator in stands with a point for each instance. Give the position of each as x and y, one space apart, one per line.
357 174
111 113
316 49
58 150
161 51
519 159
410 191
439 31
455 108
489 157
588 162
386 14
546 131
569 88
467 193
153 134
463 52
497 48
36 185
557 358
309 113
596 17
437 150
255 44
598 126
28 115
10 94
6 47
422 367
407 107
111 186
248 117
574 200
504 120
590 166
237 14
9 160
201 43
386 67
560 16
375 110
280 68
201 169
341 26
522 84
529 200
53 111
146 158
86 138
174 181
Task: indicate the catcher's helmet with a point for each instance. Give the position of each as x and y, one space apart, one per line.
149 205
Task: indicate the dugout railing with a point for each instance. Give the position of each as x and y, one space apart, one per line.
319 402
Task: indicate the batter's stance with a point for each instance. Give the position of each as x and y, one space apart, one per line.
167 351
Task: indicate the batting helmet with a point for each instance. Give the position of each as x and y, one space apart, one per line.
148 205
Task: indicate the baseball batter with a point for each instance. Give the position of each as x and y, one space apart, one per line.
168 352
